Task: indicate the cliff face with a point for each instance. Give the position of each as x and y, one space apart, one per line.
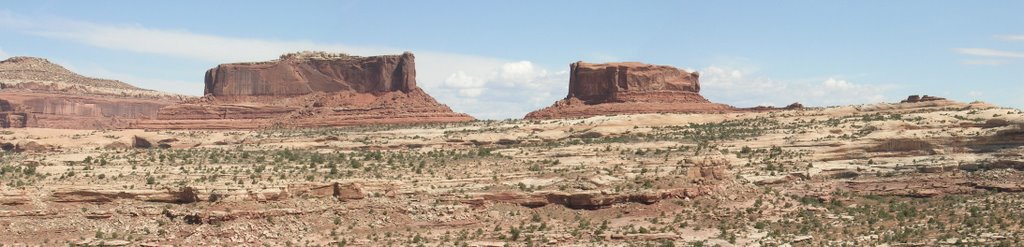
619 82
37 93
306 73
629 88
310 89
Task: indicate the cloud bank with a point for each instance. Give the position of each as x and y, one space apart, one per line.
1014 37
985 52
992 57
747 88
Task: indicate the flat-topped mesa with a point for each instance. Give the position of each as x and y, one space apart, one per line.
309 89
310 72
630 81
629 88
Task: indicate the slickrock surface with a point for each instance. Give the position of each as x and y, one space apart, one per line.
37 93
629 88
308 89
934 173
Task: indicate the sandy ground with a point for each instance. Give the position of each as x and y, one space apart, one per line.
738 179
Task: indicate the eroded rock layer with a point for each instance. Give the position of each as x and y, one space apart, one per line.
629 88
37 93
309 89
306 73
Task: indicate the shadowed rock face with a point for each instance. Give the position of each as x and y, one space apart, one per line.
309 89
629 88
306 73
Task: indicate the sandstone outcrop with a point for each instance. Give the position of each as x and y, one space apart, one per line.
793 106
919 98
37 93
307 73
629 88
584 199
308 89
181 195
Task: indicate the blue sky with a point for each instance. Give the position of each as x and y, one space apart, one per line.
502 59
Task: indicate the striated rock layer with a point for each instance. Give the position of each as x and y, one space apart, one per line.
629 88
309 89
306 73
37 93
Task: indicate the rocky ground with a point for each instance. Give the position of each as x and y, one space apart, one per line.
928 173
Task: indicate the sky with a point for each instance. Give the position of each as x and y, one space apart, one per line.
502 59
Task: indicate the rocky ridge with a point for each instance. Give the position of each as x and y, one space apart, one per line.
37 93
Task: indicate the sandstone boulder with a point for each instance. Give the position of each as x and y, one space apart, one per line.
7 147
32 147
140 142
116 145
707 168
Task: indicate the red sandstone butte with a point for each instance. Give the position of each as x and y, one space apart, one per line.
37 93
308 89
629 88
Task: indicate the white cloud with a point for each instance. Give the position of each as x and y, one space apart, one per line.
164 85
522 71
3 55
992 62
974 94
745 89
459 79
454 79
507 91
176 43
985 52
466 85
837 84
1016 37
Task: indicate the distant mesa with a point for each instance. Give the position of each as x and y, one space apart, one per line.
919 98
308 89
37 93
793 106
629 88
